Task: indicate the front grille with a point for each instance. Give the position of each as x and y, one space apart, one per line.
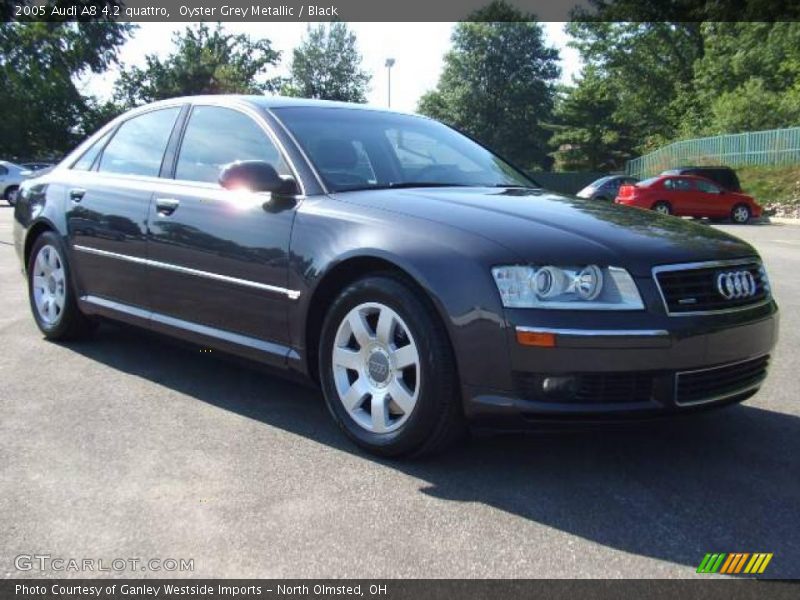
707 385
694 289
591 388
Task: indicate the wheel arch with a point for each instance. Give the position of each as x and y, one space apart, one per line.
34 231
337 278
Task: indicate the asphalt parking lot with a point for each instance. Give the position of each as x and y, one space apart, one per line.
129 446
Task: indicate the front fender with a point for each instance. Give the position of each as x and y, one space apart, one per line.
452 266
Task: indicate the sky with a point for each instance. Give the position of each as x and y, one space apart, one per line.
418 50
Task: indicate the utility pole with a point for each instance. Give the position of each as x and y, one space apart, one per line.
389 65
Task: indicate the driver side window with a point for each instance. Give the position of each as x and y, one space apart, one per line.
217 136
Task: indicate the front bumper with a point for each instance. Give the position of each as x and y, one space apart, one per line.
637 369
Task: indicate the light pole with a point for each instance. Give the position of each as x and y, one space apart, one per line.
389 65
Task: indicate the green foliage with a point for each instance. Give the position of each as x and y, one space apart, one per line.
44 112
674 80
646 66
588 136
772 185
327 66
204 61
748 78
498 84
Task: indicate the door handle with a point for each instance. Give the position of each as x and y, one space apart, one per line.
76 194
166 206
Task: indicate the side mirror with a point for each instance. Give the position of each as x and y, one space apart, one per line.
256 176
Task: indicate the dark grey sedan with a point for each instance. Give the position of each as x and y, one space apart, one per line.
421 280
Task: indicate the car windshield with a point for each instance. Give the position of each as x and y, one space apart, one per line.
647 182
363 149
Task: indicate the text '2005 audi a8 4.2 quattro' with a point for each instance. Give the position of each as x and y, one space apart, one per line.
423 281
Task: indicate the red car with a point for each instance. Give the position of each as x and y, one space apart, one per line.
689 196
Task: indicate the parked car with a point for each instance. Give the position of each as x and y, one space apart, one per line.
687 196
11 176
36 166
723 176
422 281
605 188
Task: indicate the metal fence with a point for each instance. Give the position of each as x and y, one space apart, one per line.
772 147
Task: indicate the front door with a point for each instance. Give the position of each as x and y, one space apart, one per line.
219 258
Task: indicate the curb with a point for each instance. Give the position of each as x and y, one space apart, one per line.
782 220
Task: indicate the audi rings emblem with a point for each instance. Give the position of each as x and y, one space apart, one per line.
735 285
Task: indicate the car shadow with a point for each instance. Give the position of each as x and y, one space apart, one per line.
726 481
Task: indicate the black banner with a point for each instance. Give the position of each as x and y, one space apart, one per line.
252 589
388 11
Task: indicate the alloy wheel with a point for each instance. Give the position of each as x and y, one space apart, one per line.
49 285
662 209
376 367
741 214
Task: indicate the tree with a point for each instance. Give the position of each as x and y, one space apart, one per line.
748 77
587 134
327 65
205 61
648 65
498 84
44 112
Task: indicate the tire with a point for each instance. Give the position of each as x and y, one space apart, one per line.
602 199
10 195
51 293
740 214
662 207
426 416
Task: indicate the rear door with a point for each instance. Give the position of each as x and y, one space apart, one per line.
219 258
108 196
714 202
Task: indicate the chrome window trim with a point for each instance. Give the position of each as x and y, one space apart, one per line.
597 332
291 294
718 397
708 265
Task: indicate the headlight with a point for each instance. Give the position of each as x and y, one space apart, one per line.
580 288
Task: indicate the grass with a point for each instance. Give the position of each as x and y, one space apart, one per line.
772 185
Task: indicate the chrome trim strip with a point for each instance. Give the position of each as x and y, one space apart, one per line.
291 294
212 332
723 396
708 265
598 332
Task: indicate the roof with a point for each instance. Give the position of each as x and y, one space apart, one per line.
283 102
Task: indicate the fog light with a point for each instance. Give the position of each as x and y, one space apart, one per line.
561 387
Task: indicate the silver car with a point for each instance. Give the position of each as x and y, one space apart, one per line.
11 176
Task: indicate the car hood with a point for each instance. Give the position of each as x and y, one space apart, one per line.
547 228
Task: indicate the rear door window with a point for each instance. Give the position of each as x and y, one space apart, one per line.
139 144
85 162
707 187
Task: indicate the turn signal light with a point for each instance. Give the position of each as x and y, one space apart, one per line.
540 339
